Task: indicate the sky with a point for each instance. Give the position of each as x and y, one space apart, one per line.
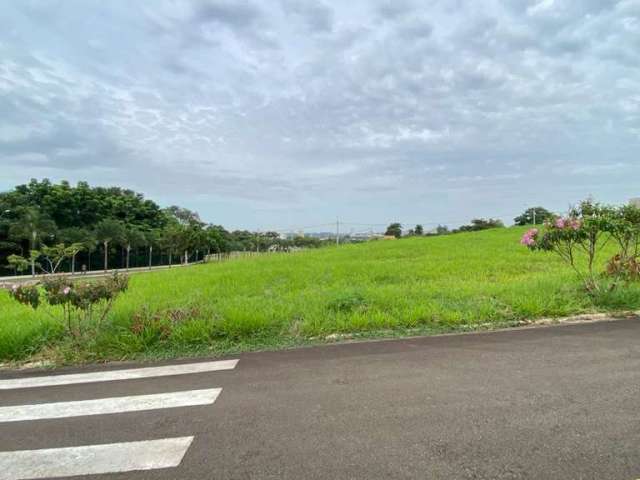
284 114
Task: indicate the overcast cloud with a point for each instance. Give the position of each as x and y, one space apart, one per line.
270 114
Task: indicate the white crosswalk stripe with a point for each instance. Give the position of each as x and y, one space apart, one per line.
106 458
102 406
93 459
112 375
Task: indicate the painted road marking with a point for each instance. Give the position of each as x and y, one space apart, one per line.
93 459
129 374
103 406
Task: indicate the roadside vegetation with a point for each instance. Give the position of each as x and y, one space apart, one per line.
380 288
94 228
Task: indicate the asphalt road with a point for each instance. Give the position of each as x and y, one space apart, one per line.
542 403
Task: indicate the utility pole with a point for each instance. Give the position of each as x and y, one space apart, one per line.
534 215
337 231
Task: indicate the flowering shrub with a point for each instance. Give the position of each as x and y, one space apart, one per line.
26 294
530 237
580 237
82 303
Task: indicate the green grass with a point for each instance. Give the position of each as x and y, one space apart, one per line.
416 285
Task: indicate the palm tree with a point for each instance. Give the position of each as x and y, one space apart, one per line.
170 239
32 225
83 238
107 231
132 238
152 238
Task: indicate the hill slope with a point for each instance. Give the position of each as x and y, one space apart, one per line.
425 284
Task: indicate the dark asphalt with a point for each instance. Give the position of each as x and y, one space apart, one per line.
542 403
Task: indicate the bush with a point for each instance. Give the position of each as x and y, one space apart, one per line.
26 294
580 237
83 303
478 224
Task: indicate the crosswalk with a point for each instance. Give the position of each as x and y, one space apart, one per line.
147 454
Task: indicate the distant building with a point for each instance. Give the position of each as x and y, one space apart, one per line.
362 236
635 202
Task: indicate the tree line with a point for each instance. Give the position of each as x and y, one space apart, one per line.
46 226
531 216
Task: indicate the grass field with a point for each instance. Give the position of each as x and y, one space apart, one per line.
415 285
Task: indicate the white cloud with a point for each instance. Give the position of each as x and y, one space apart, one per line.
541 6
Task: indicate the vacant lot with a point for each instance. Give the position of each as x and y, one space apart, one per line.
380 288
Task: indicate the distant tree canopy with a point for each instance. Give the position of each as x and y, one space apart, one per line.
113 228
84 206
481 224
533 216
442 230
395 229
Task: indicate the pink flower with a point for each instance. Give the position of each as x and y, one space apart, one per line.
66 290
574 223
529 238
14 287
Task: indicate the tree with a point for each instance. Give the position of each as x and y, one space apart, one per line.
56 254
306 242
68 206
109 231
481 224
533 216
132 238
152 239
442 230
42 212
184 216
170 238
84 206
78 236
18 262
394 229
198 240
7 245
75 248
32 225
52 255
217 239
418 230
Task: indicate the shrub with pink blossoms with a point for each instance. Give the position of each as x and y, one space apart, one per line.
84 303
572 223
529 238
579 238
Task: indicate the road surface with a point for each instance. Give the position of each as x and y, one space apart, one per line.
541 403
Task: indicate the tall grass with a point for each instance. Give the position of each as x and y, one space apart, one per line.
428 284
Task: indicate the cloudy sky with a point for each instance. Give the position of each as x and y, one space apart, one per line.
287 113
